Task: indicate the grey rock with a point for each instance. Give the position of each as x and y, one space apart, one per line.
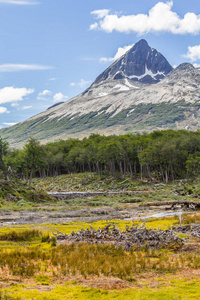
141 63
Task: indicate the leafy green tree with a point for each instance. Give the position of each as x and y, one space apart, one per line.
34 157
193 164
3 151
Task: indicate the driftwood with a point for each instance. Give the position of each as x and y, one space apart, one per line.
194 205
195 230
192 229
182 229
132 237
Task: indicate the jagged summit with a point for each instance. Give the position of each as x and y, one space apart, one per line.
141 63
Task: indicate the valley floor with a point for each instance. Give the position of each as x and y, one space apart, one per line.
34 265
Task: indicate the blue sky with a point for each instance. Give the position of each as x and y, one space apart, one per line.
52 50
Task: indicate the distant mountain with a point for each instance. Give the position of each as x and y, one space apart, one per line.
141 63
120 105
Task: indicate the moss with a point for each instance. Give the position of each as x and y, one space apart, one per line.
181 289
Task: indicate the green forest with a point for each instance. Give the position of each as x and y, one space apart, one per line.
165 156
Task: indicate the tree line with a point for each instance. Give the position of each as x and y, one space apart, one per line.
165 156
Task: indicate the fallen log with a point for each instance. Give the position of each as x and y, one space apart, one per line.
184 204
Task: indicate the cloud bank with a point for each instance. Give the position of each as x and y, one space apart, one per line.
18 2
3 110
22 67
11 94
193 53
160 18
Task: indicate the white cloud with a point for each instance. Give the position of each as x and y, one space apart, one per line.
101 13
15 104
52 79
9 124
94 26
22 67
193 53
18 2
196 66
82 83
3 110
44 94
160 18
26 107
59 97
11 94
121 51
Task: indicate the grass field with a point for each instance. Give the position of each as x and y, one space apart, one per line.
34 266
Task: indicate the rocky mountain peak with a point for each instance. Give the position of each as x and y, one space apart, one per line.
141 44
141 63
185 67
184 73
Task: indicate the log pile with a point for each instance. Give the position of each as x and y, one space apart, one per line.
182 228
193 229
132 237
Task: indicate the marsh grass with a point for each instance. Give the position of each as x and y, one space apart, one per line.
35 257
5 296
191 218
94 260
17 236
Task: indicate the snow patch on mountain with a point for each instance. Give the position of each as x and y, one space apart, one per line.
129 84
121 88
147 73
102 94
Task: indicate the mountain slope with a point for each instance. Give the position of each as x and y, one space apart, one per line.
117 106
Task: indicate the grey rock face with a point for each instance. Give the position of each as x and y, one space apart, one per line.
141 63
